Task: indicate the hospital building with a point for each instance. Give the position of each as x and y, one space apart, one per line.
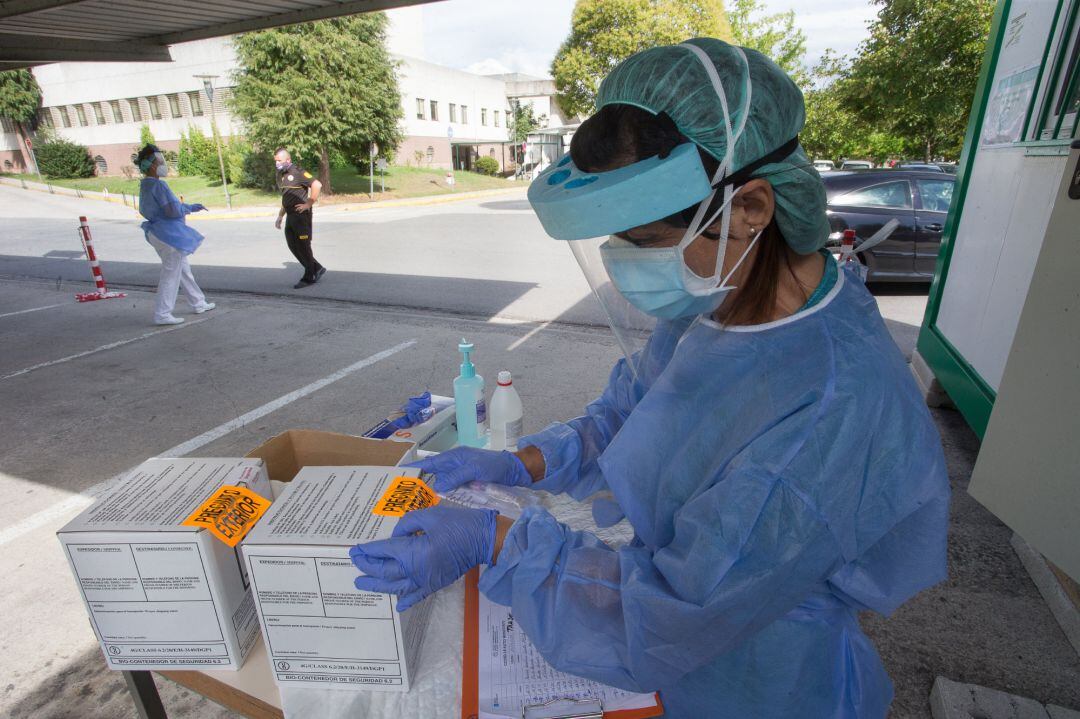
451 117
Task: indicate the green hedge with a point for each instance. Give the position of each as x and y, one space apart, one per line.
61 159
486 165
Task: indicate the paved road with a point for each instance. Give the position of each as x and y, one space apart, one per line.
91 390
483 259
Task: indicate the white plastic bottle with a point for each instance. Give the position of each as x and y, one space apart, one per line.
506 414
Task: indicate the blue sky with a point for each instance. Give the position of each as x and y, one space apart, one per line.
490 36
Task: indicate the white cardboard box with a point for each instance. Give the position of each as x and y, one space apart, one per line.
161 595
320 631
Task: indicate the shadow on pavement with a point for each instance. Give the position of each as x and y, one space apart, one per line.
507 205
474 297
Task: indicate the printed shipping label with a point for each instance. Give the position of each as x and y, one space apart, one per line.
229 513
404 495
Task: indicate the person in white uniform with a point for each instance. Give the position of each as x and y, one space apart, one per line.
168 233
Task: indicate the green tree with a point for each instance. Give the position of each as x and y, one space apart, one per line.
522 120
20 98
146 137
915 76
603 33
773 35
319 87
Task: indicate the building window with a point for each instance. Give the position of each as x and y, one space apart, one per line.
136 111
464 114
81 112
117 114
496 118
430 154
99 113
174 105
420 109
8 167
102 166
45 117
453 112
155 109
483 116
65 116
435 110
6 125
196 103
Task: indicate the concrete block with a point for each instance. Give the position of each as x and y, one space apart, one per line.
1057 601
932 391
1057 712
952 700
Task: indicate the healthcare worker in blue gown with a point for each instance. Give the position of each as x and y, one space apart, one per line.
170 236
768 445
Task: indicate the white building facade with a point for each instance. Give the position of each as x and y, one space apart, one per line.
451 117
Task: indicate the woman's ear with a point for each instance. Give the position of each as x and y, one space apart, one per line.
755 203
752 207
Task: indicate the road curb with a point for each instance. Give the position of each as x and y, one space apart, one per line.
267 210
374 205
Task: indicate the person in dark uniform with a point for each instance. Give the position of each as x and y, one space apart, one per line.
299 192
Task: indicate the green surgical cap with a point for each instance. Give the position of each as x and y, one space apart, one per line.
672 79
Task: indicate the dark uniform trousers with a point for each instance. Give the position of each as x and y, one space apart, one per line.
298 237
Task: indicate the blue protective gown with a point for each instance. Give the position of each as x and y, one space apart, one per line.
165 213
779 478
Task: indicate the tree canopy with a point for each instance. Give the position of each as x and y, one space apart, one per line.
915 76
603 33
320 88
773 35
20 95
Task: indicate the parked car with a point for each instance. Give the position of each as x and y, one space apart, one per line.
857 165
824 165
864 201
927 167
947 167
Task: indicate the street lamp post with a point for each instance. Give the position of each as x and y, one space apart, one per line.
208 85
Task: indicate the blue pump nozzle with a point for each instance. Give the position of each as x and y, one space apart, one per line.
467 367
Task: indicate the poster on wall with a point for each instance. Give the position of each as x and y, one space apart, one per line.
1007 108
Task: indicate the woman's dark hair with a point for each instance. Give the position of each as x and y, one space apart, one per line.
147 152
620 135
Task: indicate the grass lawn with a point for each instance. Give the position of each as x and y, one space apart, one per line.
348 186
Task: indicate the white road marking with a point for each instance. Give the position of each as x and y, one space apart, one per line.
528 336
78 502
36 309
111 345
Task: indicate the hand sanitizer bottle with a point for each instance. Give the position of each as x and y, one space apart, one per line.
506 414
467 387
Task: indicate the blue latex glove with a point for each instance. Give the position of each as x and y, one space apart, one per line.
197 207
457 466
412 566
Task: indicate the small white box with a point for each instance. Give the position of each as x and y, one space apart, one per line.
162 595
320 631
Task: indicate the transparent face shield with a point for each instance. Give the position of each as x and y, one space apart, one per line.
584 208
630 326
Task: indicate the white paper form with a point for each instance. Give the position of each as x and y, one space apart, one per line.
512 673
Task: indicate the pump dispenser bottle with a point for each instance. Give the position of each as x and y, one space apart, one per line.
467 386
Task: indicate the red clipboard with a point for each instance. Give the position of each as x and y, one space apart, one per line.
470 661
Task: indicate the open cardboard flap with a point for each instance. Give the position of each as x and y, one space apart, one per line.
286 453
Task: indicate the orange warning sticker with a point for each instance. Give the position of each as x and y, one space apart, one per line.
229 513
404 495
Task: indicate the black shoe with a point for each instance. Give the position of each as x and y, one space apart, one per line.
318 274
302 284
